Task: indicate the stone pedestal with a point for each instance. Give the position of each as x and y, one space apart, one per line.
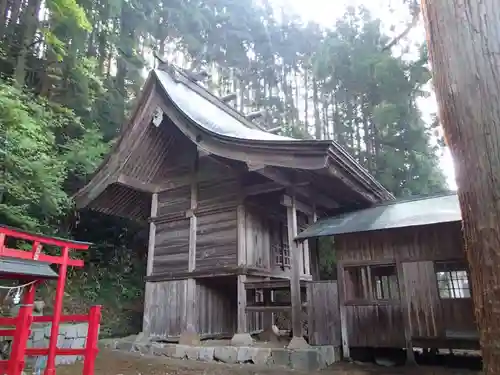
298 343
242 339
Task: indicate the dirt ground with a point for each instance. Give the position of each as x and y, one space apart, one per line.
115 363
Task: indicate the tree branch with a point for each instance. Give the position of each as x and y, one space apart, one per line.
415 11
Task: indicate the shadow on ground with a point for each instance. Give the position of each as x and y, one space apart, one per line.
116 363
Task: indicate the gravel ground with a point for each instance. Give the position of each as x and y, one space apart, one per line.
115 363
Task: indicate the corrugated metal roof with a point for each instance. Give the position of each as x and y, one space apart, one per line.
408 213
209 115
13 266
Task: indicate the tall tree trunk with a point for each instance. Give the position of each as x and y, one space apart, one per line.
29 26
464 45
317 122
306 100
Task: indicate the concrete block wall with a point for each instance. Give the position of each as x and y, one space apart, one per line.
72 336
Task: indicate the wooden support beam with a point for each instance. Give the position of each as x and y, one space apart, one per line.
267 187
190 336
255 115
343 313
152 234
298 339
137 184
229 97
286 201
312 255
241 241
202 153
193 222
302 188
242 336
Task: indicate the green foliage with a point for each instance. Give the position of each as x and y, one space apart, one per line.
32 176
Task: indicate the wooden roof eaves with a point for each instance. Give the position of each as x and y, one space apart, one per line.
338 157
182 77
296 154
108 172
275 153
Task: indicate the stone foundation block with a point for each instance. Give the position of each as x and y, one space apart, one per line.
279 357
226 354
306 360
180 351
261 356
206 354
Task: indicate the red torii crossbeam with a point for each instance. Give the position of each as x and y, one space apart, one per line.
15 364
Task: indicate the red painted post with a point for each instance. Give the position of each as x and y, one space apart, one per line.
91 348
29 295
58 306
23 324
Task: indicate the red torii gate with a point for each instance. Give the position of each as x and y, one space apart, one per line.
15 364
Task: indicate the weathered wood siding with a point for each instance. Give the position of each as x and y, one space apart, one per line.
422 299
171 247
217 308
165 309
323 313
217 190
258 239
375 325
216 243
414 250
432 242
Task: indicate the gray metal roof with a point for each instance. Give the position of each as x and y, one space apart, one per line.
422 211
11 266
208 115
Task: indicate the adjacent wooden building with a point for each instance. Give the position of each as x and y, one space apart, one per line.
403 277
224 200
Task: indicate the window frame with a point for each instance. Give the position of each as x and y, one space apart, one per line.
452 266
369 290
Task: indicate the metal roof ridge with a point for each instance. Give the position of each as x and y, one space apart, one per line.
415 198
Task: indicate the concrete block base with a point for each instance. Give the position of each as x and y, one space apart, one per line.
310 358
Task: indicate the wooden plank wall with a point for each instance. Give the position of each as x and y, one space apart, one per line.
259 236
375 325
380 324
422 299
165 309
218 194
433 242
323 313
217 309
171 246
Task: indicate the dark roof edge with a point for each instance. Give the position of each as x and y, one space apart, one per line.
361 175
416 198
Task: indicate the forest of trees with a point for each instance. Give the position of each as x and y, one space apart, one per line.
71 70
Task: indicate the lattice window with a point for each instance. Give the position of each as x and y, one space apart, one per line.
371 282
452 280
282 255
385 282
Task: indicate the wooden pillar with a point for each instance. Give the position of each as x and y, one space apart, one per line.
190 336
150 263
298 336
241 337
343 313
152 234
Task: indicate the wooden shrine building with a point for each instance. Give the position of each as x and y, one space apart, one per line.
403 277
224 200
